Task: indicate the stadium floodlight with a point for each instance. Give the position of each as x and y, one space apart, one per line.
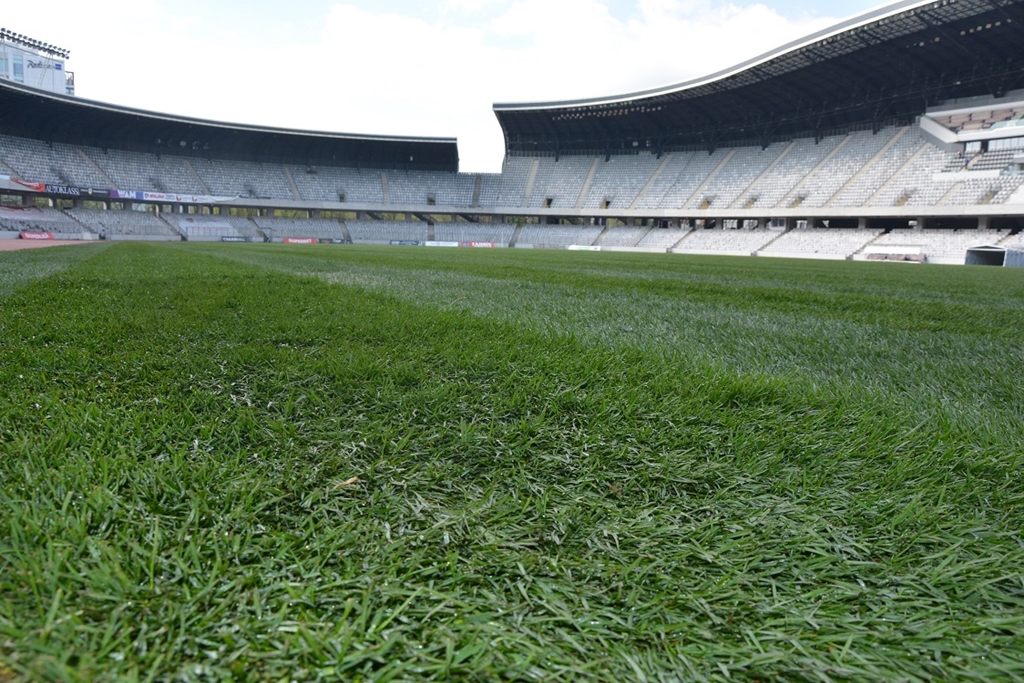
32 43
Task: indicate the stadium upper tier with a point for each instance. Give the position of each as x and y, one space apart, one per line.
863 170
884 67
52 117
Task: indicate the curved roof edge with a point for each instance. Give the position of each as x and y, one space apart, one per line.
225 125
856 21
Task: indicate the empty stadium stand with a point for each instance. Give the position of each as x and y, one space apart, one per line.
893 167
938 246
199 228
116 225
558 236
820 243
321 228
497 234
844 152
730 242
386 232
662 238
43 220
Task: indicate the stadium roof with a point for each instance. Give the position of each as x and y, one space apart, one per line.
53 117
887 65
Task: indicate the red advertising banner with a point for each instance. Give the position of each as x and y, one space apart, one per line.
37 235
300 240
35 187
479 245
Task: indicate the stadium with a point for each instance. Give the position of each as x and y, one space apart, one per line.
896 134
683 410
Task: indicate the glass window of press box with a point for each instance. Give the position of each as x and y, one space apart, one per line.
1008 143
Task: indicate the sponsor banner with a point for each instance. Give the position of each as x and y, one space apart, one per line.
37 235
405 243
477 245
167 197
46 188
300 240
35 187
126 194
9 183
68 191
442 244
45 65
333 240
183 198
234 239
580 247
25 213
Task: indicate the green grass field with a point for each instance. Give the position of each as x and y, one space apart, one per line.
571 466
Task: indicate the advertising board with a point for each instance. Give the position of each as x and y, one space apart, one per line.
78 192
168 197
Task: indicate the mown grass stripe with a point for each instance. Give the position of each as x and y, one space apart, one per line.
531 503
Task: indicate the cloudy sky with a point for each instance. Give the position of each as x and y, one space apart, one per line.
431 67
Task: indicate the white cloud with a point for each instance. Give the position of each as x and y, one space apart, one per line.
374 71
470 6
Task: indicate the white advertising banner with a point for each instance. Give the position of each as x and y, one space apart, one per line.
168 197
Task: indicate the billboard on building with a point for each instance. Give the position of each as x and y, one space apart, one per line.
35 64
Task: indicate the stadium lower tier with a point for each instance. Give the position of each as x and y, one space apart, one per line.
894 167
948 246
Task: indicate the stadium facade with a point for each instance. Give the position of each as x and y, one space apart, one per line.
897 134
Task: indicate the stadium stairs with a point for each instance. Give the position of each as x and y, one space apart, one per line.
744 196
174 227
95 167
477 185
515 236
291 184
790 197
195 175
344 231
651 182
585 190
868 167
908 164
600 238
699 192
86 230
530 180
773 241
